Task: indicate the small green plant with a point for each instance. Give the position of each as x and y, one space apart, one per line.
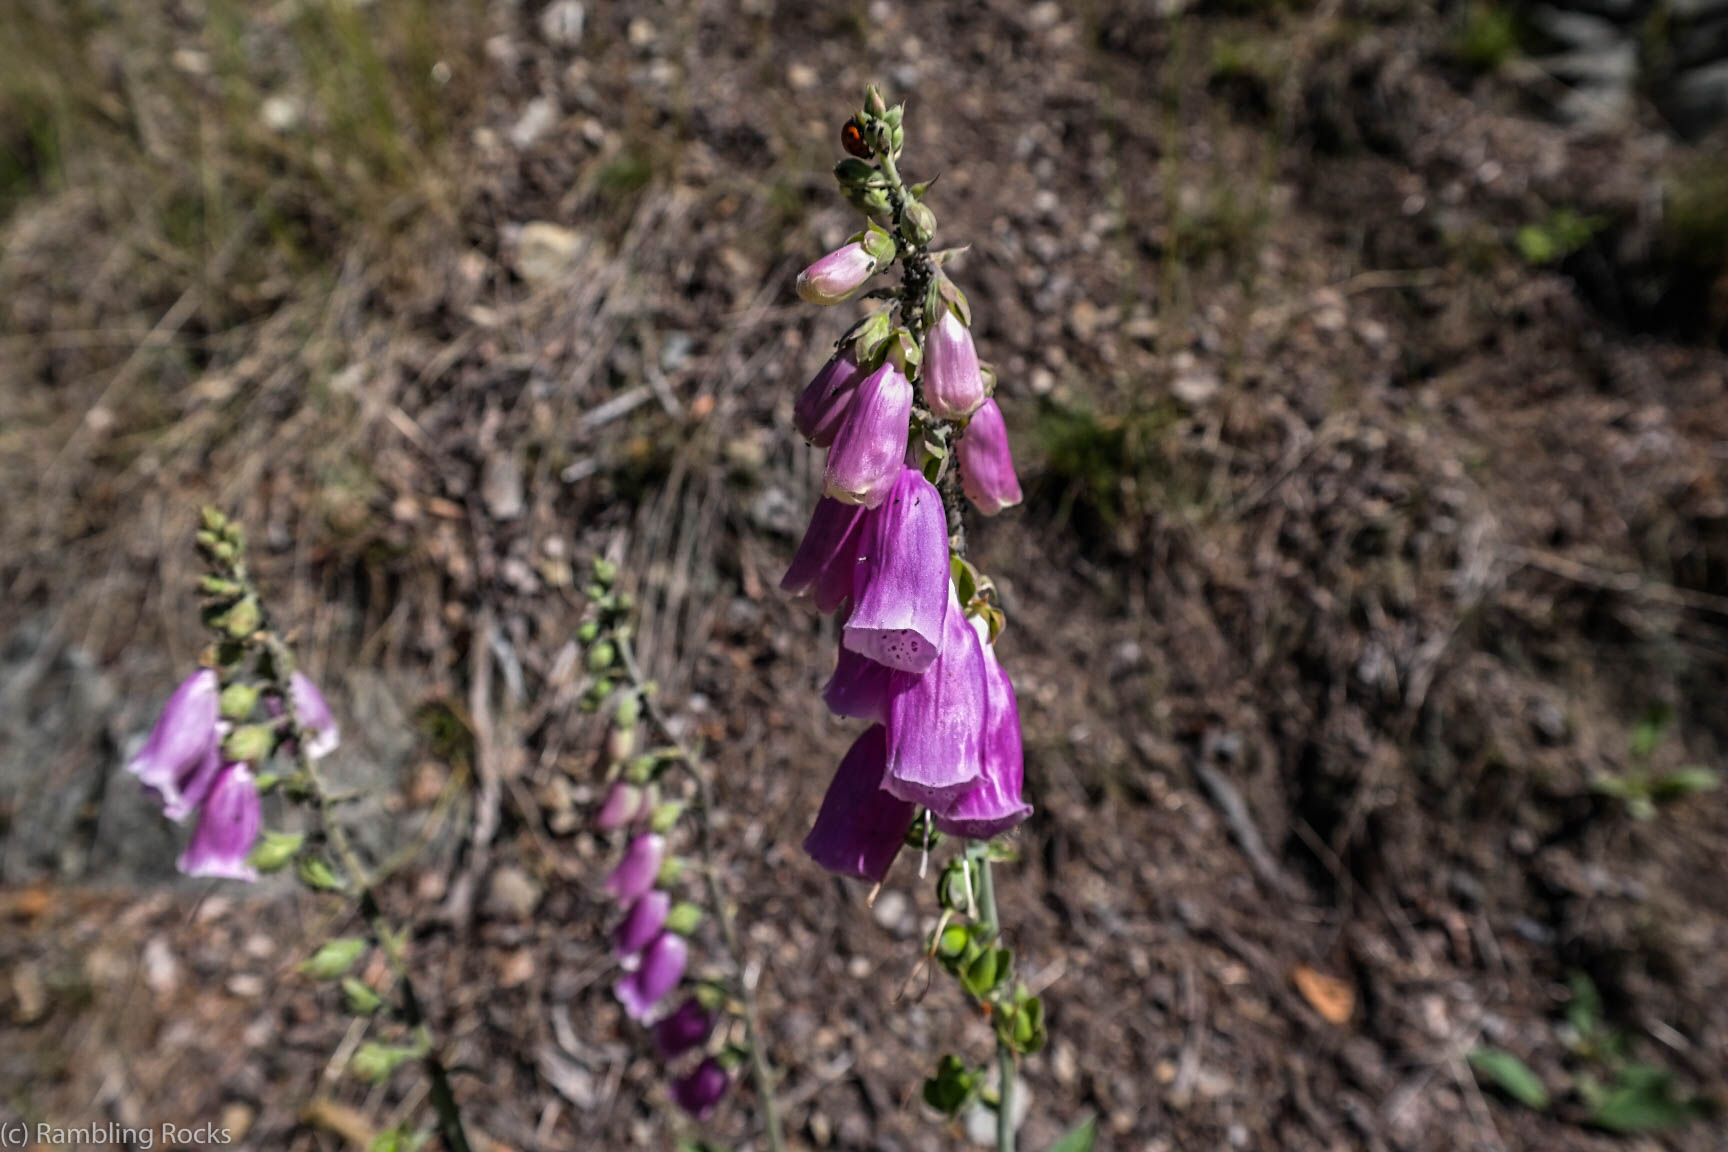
1563 233
1617 1094
1487 38
1642 789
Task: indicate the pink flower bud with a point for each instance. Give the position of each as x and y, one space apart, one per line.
313 713
624 804
860 828
901 588
870 448
992 805
936 720
837 275
637 871
641 924
227 828
179 761
823 404
986 465
701 1089
662 967
953 382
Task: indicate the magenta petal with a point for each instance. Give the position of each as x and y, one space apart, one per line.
986 465
993 804
622 805
823 404
662 967
175 758
953 381
193 788
858 688
901 587
936 721
227 828
684 1028
701 1089
860 828
641 924
637 871
870 448
828 554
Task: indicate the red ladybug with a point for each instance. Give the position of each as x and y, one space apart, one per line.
852 139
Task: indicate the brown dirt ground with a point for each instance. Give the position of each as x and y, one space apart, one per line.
1396 539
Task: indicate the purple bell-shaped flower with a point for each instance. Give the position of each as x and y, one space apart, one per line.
228 825
870 448
993 804
860 827
661 968
901 587
179 761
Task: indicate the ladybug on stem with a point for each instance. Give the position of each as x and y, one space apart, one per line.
852 139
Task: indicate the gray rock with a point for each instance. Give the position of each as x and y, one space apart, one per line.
1611 64
562 23
1696 9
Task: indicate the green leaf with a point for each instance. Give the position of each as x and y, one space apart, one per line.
952 1085
1584 1013
1079 1138
1648 735
1683 782
1511 1075
335 958
1642 1099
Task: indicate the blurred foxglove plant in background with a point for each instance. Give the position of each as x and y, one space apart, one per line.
247 724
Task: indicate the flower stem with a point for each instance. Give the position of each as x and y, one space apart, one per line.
761 1070
384 935
1004 1054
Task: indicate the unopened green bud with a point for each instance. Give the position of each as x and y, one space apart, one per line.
334 958
243 619
252 743
212 519
683 918
275 851
953 887
589 631
362 1001
218 587
238 700
873 101
629 710
665 816
918 222
375 1062
873 202
319 876
601 656
855 173
952 943
605 572
641 769
671 871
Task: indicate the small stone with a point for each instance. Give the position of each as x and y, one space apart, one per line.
534 122
1193 384
979 1121
280 113
545 252
161 969
246 986
516 968
29 996
501 486
562 23
1548 723
641 32
801 77
235 1122
512 894
893 911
